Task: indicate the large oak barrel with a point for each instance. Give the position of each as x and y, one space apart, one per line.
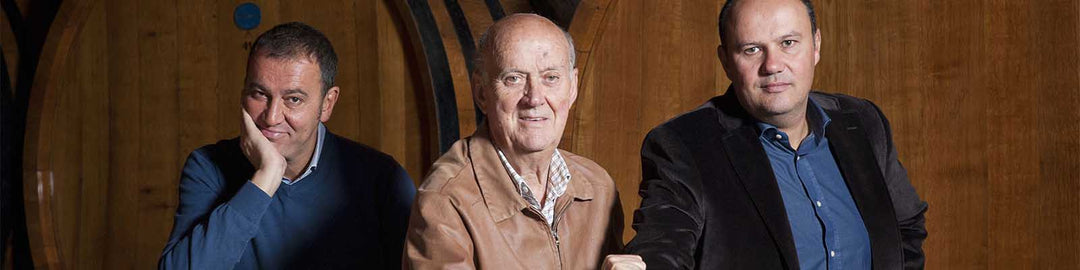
981 98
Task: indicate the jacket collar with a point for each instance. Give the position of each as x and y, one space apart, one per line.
854 157
747 157
500 195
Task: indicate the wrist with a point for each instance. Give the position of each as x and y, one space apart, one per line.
268 179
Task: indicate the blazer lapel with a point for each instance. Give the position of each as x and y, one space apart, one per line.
751 164
755 174
855 158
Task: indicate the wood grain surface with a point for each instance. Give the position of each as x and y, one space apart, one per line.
981 96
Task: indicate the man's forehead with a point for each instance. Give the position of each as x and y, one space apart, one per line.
769 18
525 34
284 74
531 54
536 49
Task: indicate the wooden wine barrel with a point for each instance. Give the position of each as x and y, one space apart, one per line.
125 89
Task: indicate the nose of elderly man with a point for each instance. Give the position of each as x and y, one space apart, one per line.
534 96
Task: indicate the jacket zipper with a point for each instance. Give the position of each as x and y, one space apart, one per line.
553 233
555 230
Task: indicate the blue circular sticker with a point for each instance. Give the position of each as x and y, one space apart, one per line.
247 16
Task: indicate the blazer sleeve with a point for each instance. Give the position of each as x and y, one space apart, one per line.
207 234
908 206
437 237
669 220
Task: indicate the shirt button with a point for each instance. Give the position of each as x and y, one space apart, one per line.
818 203
779 137
832 253
797 158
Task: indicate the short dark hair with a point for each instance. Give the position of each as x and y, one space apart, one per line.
725 13
296 39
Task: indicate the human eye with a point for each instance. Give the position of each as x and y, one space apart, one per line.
294 100
551 78
752 50
257 94
787 43
513 79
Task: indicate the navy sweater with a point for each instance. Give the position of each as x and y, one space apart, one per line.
351 212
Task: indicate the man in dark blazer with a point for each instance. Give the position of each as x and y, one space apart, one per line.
771 175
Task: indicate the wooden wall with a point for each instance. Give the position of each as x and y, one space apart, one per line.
981 96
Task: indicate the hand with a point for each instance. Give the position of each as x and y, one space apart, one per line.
623 262
268 162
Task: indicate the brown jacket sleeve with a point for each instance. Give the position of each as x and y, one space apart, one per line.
437 237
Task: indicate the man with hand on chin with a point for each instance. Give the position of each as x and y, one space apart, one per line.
288 193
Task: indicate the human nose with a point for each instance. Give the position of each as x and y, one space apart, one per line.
774 63
273 115
534 94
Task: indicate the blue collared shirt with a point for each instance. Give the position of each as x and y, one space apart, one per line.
314 163
825 223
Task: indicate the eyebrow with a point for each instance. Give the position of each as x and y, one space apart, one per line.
514 70
259 87
792 34
745 44
559 67
254 86
295 91
503 73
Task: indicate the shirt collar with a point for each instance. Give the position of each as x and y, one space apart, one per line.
314 163
816 117
558 178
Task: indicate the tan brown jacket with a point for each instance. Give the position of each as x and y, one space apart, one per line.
468 214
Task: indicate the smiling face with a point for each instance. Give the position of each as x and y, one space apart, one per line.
284 97
770 55
527 84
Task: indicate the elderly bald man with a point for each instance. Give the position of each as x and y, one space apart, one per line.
505 197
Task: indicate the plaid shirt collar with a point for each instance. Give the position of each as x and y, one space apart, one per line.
558 178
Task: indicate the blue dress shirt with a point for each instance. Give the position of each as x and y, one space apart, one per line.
825 223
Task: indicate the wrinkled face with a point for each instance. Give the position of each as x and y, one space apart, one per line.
284 97
527 88
769 55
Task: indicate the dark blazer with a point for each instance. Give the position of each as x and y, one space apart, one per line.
710 199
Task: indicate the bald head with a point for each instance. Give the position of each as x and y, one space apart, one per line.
514 27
